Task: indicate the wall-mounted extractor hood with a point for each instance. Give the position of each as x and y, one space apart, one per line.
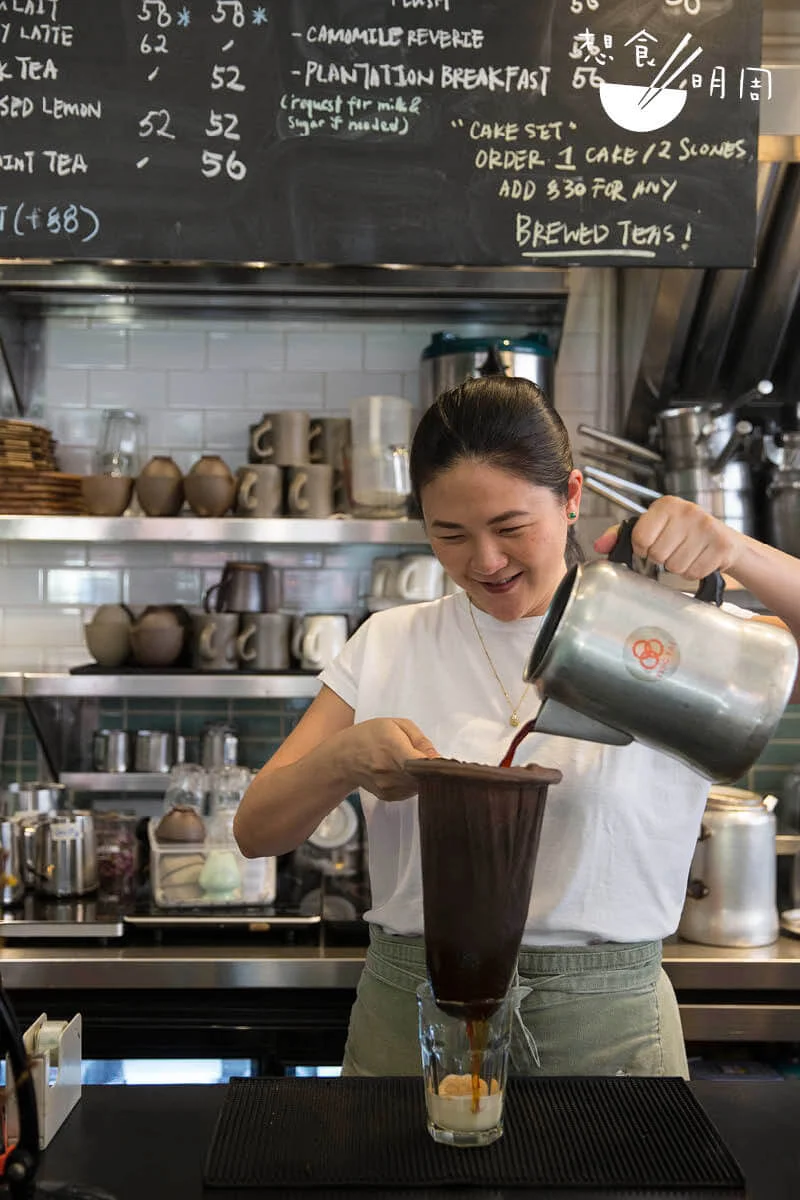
522 298
687 334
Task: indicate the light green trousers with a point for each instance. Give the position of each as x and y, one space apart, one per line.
591 1010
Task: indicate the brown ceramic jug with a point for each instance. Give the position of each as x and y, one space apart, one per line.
159 487
210 487
158 636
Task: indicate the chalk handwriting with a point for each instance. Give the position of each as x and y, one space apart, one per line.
75 221
48 35
449 80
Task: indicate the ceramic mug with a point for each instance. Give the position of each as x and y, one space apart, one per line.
259 490
328 441
243 587
214 645
382 579
263 642
280 438
419 577
318 638
309 490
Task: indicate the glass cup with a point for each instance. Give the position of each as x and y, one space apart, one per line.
121 447
187 785
464 1067
117 854
226 786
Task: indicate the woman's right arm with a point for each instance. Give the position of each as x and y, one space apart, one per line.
324 759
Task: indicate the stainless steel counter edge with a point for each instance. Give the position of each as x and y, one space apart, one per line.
169 967
775 967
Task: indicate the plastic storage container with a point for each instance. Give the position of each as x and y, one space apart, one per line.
208 874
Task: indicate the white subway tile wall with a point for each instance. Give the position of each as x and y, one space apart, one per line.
199 383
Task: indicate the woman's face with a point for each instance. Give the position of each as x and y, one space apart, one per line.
500 538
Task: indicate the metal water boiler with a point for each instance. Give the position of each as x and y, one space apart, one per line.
449 359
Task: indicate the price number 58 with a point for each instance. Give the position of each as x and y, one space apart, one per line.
157 11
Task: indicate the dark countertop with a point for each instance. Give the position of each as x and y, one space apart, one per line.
150 1142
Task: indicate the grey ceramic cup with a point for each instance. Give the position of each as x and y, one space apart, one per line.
329 439
263 643
309 491
214 641
280 438
259 490
107 495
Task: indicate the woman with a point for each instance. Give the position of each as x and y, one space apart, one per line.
492 471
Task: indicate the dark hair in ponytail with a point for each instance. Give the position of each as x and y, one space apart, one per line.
503 422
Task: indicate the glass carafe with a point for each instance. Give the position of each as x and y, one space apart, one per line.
121 445
379 475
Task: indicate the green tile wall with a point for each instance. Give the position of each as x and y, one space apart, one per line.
262 725
782 753
19 758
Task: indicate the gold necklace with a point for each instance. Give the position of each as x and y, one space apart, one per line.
513 720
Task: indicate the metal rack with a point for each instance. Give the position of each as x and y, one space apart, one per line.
125 783
279 531
233 685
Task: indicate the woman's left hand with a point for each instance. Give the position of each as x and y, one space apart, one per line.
681 537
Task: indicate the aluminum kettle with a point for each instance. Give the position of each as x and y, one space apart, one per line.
620 656
731 894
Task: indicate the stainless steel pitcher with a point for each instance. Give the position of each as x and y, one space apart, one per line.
12 880
65 854
621 656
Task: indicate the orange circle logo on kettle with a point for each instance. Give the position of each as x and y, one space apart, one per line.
650 653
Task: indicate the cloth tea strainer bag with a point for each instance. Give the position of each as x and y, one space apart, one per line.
479 837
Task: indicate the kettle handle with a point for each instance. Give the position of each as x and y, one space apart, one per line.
711 589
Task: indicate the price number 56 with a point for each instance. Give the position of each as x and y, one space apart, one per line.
214 163
223 125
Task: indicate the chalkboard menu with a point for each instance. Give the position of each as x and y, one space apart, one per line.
470 132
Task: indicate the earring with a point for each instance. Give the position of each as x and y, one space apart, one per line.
572 515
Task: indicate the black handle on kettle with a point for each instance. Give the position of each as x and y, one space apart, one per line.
711 589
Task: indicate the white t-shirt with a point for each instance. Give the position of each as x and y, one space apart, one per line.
620 829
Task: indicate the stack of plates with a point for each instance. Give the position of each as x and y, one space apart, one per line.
25 445
30 481
26 491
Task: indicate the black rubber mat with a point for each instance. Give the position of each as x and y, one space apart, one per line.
580 1133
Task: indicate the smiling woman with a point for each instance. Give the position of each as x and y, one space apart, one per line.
492 473
499 496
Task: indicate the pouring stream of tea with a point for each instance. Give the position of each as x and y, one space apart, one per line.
521 733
